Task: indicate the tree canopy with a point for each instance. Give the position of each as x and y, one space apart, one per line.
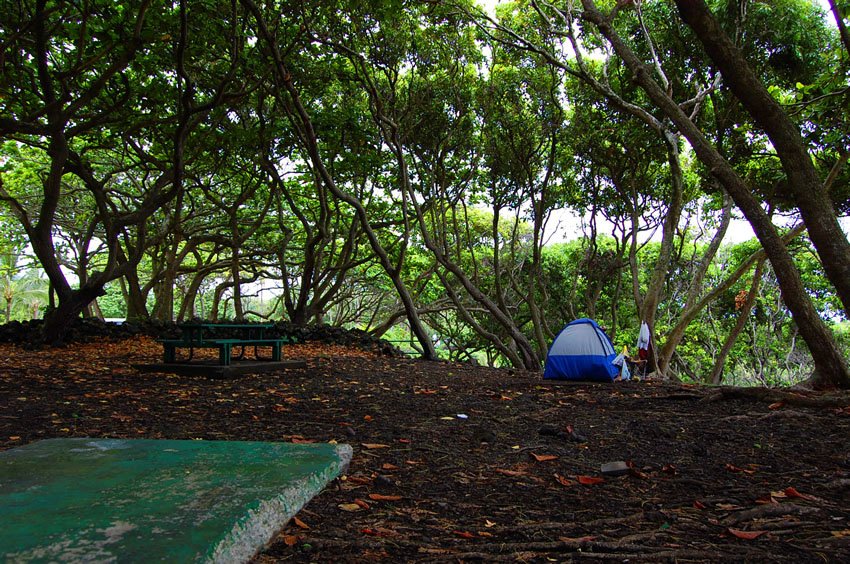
401 167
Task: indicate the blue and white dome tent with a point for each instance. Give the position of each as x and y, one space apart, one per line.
583 352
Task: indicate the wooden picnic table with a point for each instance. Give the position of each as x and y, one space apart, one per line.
224 337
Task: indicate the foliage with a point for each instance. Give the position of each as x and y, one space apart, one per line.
177 173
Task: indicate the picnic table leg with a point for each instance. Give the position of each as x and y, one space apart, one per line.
276 356
224 354
169 354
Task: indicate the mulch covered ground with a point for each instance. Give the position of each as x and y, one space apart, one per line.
463 463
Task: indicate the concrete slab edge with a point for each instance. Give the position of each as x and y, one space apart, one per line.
259 526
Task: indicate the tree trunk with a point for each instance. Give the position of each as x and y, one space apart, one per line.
830 366
806 187
134 298
238 313
310 140
716 376
674 337
58 320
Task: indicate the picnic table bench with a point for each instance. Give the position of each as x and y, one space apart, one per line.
224 337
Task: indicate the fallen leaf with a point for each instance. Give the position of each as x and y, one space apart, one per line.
404 441
464 534
378 532
563 481
361 504
841 534
746 535
381 497
698 504
589 480
512 473
488 523
544 457
792 492
290 540
367 417
301 524
389 467
733 468
577 539
15 438
374 445
350 507
776 405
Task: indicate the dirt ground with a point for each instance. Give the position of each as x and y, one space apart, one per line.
463 463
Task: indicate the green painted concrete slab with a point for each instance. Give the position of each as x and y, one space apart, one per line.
111 500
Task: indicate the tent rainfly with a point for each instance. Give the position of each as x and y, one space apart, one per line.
581 351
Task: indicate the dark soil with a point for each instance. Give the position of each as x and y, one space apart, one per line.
714 475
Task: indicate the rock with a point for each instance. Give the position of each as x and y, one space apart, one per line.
616 468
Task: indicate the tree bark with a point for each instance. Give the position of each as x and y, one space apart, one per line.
57 321
310 140
674 337
716 376
830 366
806 187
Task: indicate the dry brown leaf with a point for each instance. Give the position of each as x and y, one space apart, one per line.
362 504
746 535
733 468
544 457
563 481
301 524
374 445
792 492
381 497
350 507
589 480
290 540
512 473
577 539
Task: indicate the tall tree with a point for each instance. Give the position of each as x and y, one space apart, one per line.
831 367
79 76
308 136
804 183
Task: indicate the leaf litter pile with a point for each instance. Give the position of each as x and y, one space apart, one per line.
464 463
